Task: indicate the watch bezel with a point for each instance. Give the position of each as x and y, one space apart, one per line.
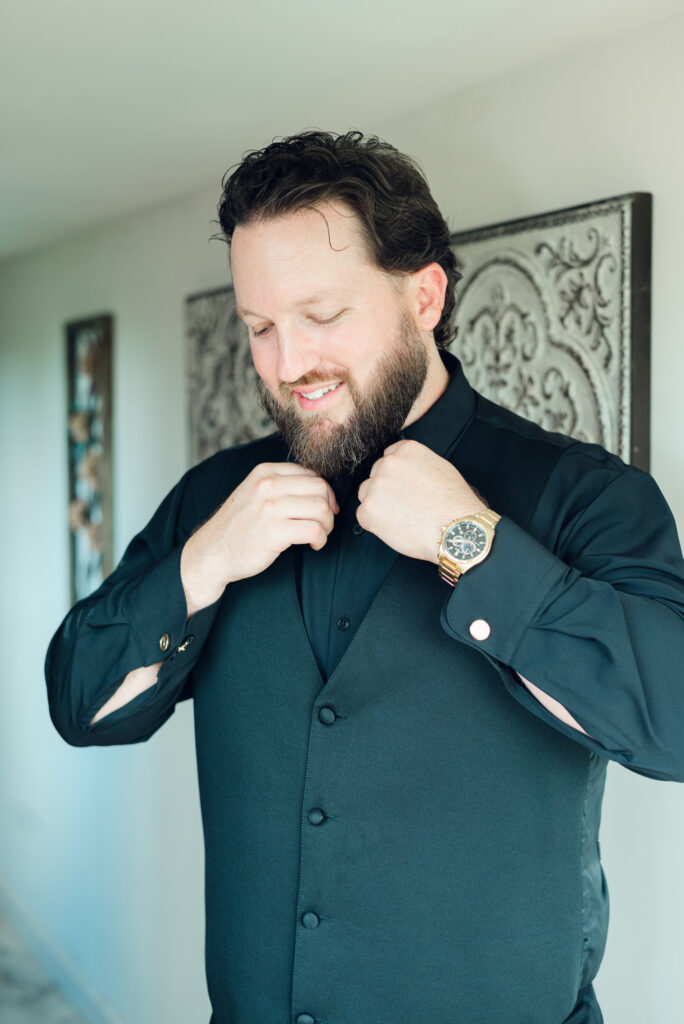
463 564
453 567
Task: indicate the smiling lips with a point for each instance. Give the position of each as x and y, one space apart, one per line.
316 398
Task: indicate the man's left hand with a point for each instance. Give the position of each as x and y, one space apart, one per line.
410 496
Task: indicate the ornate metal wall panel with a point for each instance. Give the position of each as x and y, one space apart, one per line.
223 407
553 318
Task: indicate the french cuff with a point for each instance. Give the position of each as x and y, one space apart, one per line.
494 603
157 610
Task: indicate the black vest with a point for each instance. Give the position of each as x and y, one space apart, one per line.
404 843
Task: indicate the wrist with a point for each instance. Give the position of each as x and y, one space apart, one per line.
200 584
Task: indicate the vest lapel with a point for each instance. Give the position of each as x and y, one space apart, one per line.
377 627
371 624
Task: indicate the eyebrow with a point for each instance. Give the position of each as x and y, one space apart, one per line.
311 301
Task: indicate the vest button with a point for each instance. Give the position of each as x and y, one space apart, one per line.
310 920
326 715
357 529
343 623
316 816
305 1018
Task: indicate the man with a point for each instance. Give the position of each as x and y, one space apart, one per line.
414 626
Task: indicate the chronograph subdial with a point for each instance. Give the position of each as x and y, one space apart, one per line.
465 541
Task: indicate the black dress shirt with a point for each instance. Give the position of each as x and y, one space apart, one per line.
412 836
338 584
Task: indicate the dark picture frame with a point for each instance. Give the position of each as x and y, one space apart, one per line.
553 316
89 441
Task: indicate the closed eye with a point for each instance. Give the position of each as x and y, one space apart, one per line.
312 319
330 320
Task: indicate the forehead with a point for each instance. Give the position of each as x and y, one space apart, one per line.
316 249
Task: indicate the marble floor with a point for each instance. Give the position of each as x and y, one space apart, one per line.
27 994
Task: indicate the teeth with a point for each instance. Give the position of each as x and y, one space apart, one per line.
314 395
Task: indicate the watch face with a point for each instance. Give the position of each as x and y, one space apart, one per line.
465 541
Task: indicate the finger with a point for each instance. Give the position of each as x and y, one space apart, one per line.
313 508
376 466
328 489
279 485
405 443
285 469
304 531
314 485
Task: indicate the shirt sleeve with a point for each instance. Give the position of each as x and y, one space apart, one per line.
593 614
137 617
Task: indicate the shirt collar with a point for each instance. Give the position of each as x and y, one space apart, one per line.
441 427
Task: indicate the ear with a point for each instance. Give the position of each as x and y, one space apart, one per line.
426 291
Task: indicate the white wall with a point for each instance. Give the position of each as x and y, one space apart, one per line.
101 848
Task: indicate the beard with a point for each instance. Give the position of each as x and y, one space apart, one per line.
379 411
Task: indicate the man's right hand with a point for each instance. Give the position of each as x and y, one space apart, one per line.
277 505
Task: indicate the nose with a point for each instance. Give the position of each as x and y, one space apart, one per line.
296 356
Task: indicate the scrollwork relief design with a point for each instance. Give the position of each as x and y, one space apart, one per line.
223 405
586 285
552 319
500 345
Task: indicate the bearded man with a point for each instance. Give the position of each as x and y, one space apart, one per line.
415 628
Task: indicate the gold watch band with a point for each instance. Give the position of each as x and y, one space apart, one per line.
449 572
489 517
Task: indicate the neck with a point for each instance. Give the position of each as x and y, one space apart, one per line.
436 383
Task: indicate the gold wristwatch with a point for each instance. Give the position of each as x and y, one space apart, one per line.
466 542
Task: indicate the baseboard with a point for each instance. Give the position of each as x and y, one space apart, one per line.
66 975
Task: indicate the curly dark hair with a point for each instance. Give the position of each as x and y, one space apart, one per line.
386 189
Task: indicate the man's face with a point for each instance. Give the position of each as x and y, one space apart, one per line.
340 360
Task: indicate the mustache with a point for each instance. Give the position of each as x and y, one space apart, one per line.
313 377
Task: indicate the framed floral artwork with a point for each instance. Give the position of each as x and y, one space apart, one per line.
89 439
